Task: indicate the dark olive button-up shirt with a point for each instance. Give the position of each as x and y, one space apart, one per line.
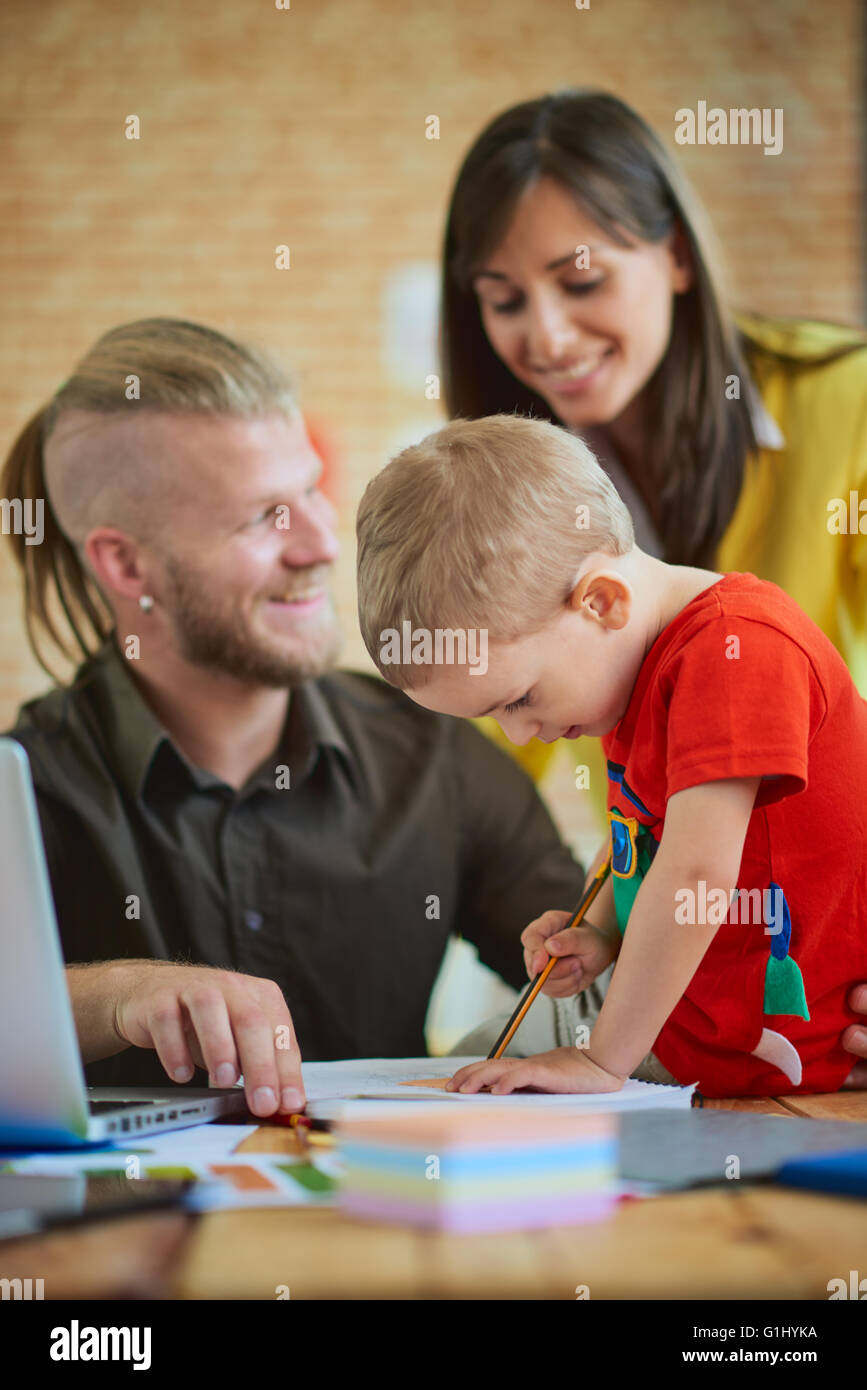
374 832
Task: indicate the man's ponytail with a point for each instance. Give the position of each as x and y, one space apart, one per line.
61 602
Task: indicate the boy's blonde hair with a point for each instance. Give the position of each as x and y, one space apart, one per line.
484 524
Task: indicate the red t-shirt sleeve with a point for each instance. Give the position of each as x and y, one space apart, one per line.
743 702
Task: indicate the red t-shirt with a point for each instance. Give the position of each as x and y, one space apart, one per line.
742 684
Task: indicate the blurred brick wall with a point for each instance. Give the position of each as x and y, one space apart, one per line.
307 127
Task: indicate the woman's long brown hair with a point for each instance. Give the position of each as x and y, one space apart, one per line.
621 175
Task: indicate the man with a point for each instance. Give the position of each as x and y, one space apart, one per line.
305 843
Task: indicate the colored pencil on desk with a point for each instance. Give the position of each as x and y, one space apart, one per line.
535 985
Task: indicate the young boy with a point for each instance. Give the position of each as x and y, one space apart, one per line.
736 744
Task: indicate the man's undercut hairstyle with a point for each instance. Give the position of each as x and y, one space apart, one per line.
79 454
483 525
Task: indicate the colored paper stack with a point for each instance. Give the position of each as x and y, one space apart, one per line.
478 1170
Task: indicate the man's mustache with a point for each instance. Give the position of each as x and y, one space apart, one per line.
318 578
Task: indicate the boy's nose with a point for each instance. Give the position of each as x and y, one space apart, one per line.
519 731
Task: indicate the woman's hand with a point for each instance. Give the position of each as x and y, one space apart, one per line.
855 1041
585 952
567 1070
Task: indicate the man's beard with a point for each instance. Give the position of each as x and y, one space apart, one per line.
219 640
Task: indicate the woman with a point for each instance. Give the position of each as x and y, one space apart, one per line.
580 284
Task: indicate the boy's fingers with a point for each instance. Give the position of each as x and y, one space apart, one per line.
534 936
484 1074
461 1075
537 963
564 943
569 983
512 1080
565 991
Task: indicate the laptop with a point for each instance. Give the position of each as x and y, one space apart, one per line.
44 1101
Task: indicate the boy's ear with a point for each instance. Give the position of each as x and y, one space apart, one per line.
604 598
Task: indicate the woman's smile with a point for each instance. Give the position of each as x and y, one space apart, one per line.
582 377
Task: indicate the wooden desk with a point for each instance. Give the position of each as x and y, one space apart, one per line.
734 1241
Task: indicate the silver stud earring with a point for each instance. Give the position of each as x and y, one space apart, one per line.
146 603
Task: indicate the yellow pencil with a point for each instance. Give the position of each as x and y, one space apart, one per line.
535 985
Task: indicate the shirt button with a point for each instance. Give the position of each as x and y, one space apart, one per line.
253 920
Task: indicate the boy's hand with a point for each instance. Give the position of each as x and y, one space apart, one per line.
569 1070
585 951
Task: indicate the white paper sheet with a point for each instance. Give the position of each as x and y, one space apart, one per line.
338 1088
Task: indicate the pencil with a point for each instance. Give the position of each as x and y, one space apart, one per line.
310 1133
535 985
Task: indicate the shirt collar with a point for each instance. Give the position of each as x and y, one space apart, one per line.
312 725
767 431
139 739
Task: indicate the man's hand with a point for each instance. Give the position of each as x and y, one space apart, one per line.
229 1024
855 1041
586 952
566 1069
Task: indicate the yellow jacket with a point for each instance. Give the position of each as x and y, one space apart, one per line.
786 527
